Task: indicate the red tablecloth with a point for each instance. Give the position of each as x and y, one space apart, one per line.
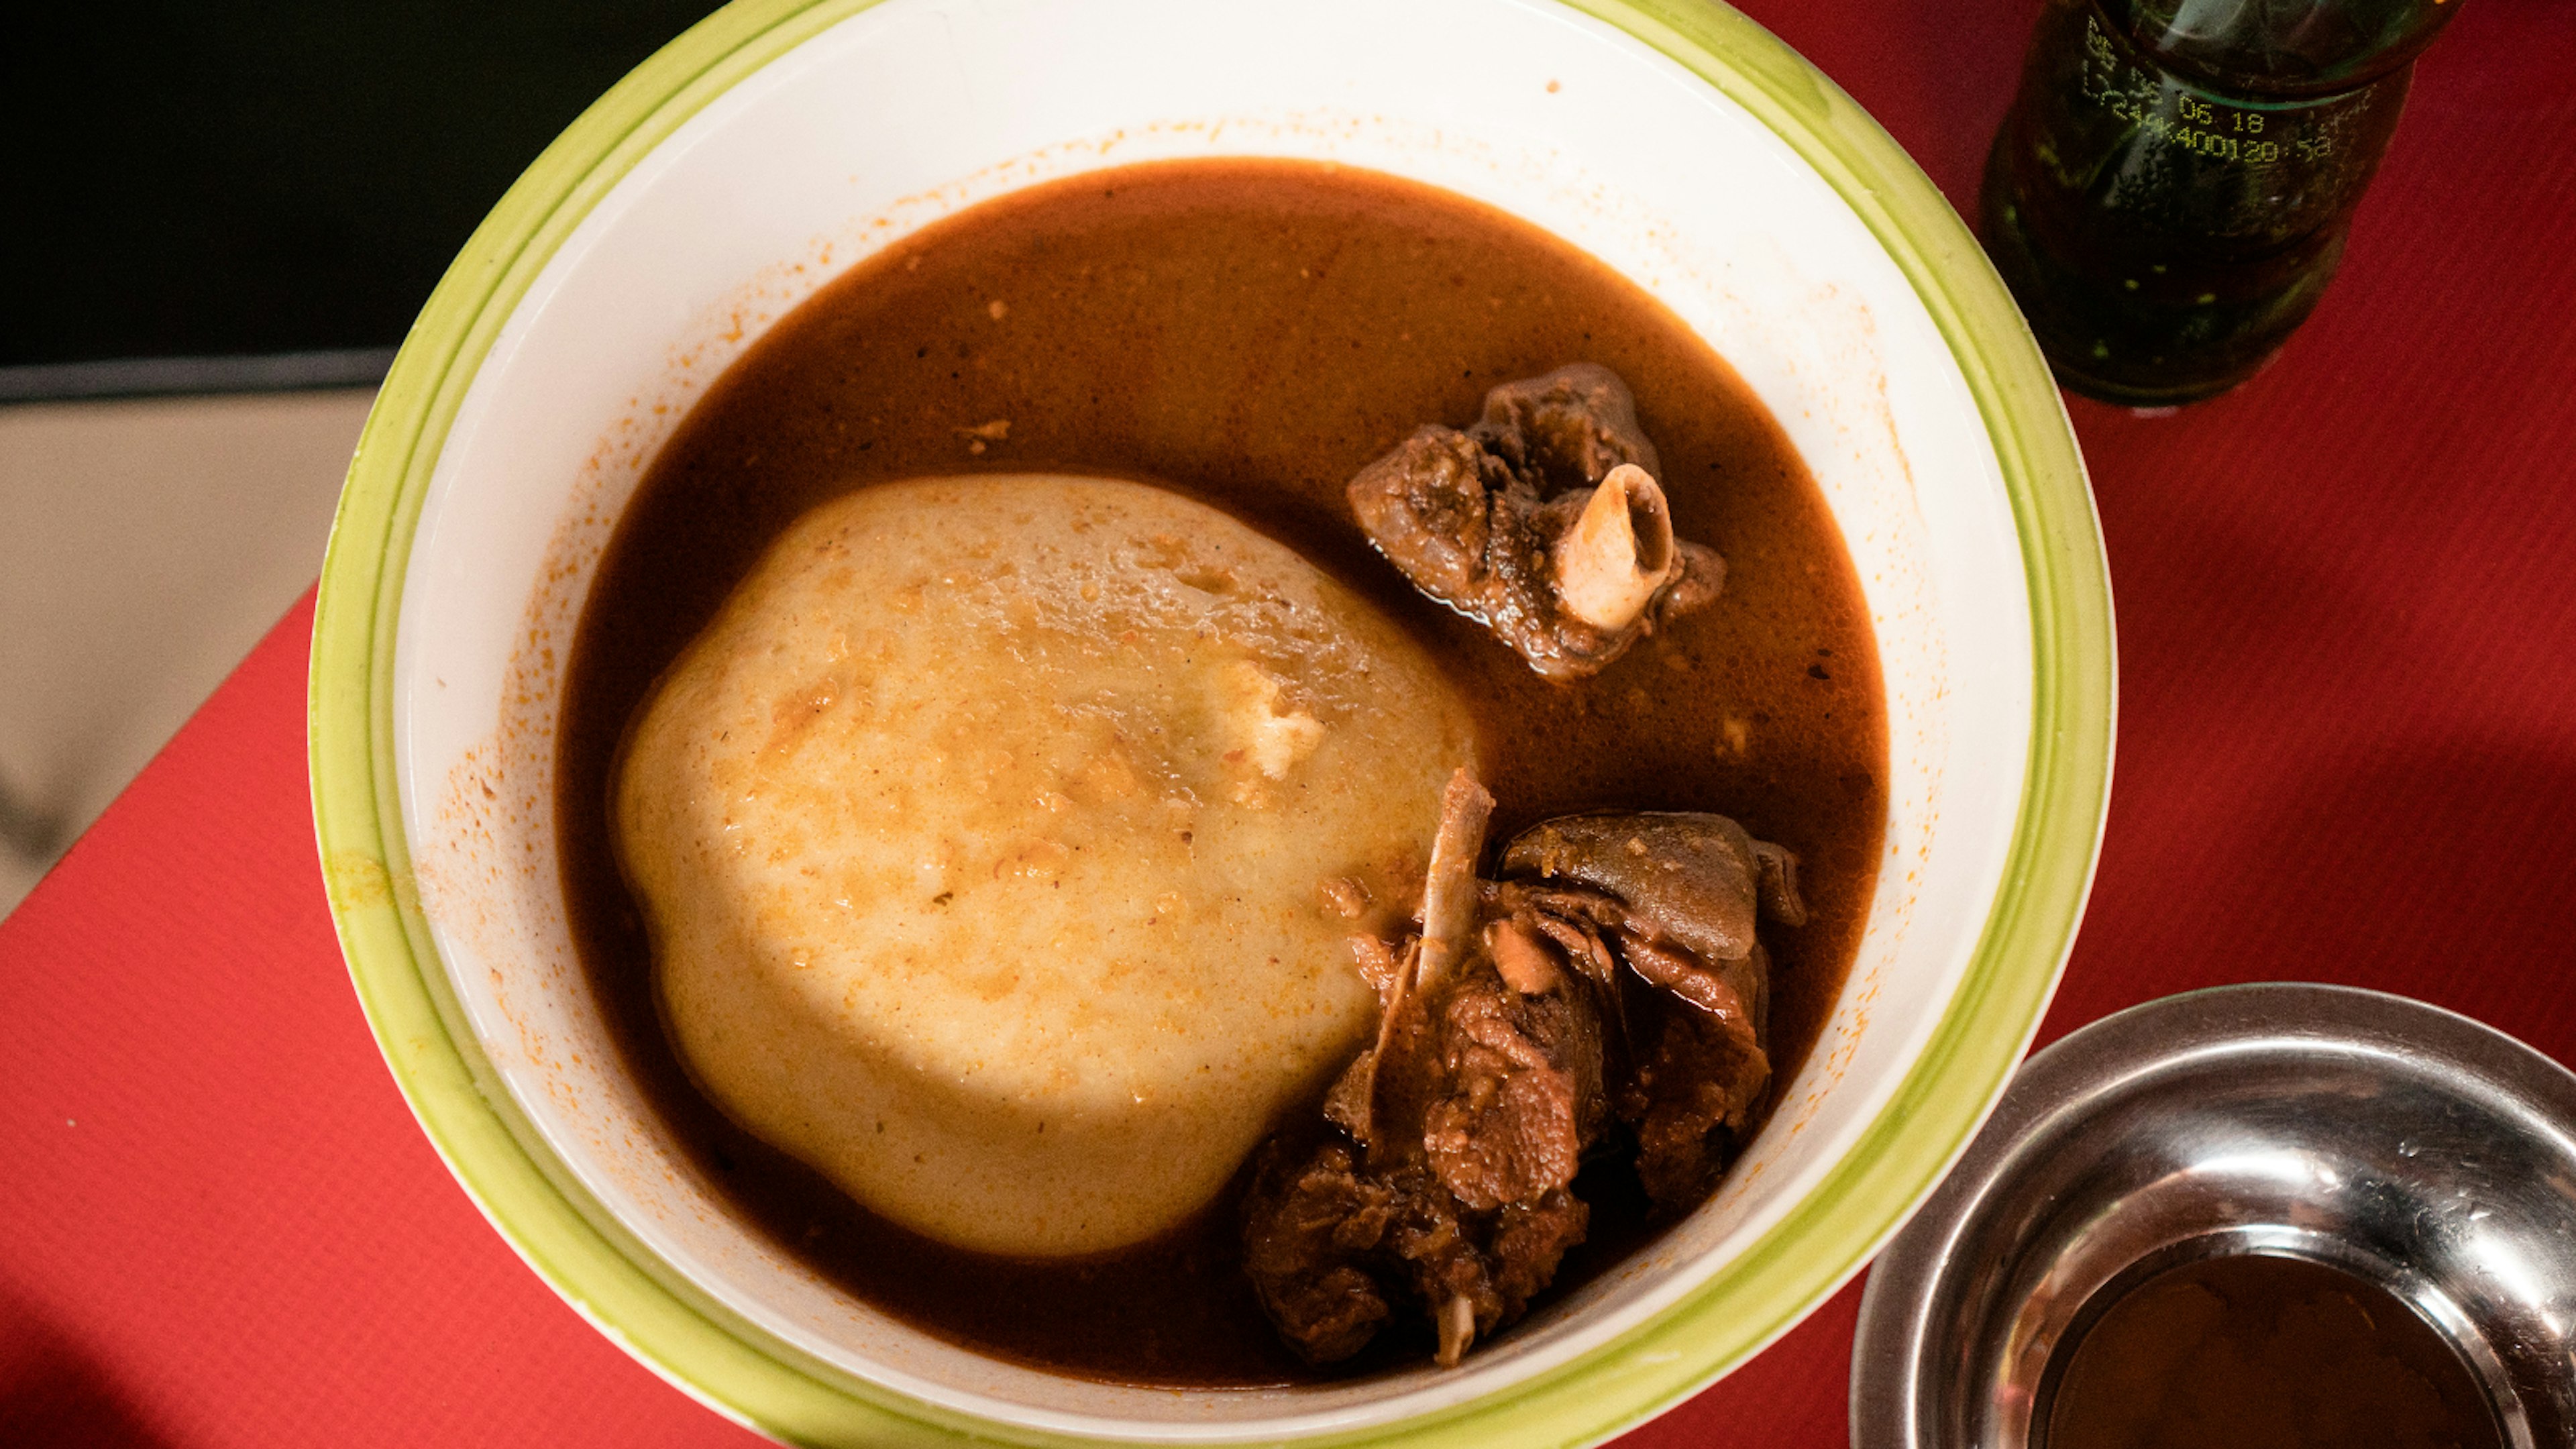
2347 599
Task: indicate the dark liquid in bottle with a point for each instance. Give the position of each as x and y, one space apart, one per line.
2166 218
2251 1351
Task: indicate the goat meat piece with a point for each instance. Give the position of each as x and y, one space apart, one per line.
1521 1096
1311 1228
1435 505
1531 1240
1675 897
1735 992
1577 422
1696 1082
1436 1244
1381 1099
1693 879
1475 1273
1467 1121
1333 1248
1543 521
1510 1043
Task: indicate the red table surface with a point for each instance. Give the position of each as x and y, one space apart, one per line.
2347 752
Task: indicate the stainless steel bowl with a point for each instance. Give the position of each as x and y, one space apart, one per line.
2404 1143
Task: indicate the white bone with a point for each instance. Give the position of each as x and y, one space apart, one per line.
1619 552
1457 1329
1449 889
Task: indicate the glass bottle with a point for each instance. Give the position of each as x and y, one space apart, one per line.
2169 195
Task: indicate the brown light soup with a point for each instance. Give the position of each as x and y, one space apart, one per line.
1249 333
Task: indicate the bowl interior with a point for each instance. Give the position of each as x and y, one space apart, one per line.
881 118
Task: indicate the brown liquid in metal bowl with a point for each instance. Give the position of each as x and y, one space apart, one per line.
2240 1351
1249 333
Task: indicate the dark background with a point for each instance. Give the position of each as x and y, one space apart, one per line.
228 178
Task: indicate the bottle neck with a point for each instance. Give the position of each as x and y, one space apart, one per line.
2289 49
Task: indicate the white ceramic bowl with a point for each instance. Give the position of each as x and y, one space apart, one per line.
782 140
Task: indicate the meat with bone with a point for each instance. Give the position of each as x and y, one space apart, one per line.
1675 896
1543 521
1577 1007
1695 1082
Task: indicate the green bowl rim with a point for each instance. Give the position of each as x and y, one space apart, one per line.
749 1375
